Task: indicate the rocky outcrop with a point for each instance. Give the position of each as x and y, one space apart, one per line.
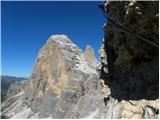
89 56
62 74
6 81
15 88
58 78
14 103
130 59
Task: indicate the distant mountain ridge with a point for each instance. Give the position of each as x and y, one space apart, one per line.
12 77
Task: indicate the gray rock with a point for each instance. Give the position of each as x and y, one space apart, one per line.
16 88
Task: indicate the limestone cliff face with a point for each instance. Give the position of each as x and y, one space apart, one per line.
62 74
58 77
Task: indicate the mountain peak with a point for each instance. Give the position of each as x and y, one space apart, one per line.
62 39
58 77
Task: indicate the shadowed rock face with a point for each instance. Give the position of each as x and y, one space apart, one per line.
133 64
130 66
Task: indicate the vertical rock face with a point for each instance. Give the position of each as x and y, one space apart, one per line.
130 54
133 63
59 76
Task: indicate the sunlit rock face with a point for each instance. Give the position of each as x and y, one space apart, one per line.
132 63
62 74
90 57
13 105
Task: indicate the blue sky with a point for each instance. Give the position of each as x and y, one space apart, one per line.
26 27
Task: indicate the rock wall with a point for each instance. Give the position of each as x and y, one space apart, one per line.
133 64
59 76
130 65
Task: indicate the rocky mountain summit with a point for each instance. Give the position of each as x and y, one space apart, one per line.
67 83
62 74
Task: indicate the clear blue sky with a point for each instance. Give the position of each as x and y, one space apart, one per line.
27 25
